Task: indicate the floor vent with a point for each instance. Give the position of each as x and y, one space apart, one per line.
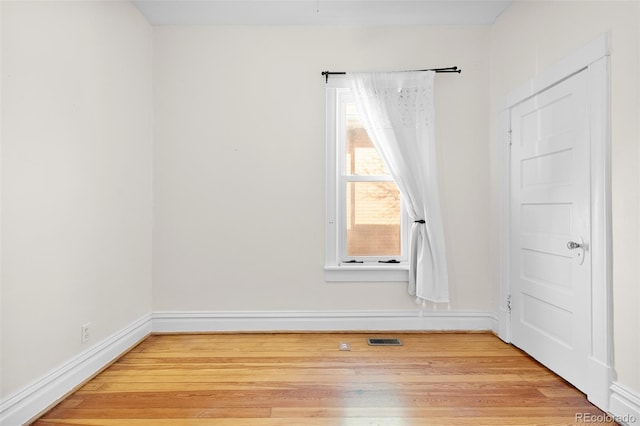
384 342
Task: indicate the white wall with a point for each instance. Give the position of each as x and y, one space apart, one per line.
530 36
239 164
76 180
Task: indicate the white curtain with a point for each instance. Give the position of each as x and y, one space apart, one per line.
397 110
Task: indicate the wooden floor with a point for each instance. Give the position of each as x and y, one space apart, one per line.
304 380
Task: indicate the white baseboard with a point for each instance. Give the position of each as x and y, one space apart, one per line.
624 405
30 402
27 404
410 320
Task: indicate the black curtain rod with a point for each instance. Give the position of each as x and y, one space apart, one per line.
326 74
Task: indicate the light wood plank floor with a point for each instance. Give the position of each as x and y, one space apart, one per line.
304 380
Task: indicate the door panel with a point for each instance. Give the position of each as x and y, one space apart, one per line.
547 170
550 183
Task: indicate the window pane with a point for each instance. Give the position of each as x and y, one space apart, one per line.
373 219
361 156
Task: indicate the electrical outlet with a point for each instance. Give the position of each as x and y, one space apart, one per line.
344 346
84 332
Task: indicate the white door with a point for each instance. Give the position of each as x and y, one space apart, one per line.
550 270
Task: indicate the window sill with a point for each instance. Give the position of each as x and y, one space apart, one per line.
367 273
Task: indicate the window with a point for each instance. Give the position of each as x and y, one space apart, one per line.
366 225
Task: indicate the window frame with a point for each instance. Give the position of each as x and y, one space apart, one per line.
337 94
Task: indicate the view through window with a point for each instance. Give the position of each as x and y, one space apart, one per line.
373 211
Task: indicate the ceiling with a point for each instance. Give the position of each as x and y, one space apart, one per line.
321 12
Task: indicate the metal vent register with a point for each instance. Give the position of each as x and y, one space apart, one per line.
384 342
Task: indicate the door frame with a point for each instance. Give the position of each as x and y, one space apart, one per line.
592 58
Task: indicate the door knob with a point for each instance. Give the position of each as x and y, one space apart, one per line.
572 245
578 247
